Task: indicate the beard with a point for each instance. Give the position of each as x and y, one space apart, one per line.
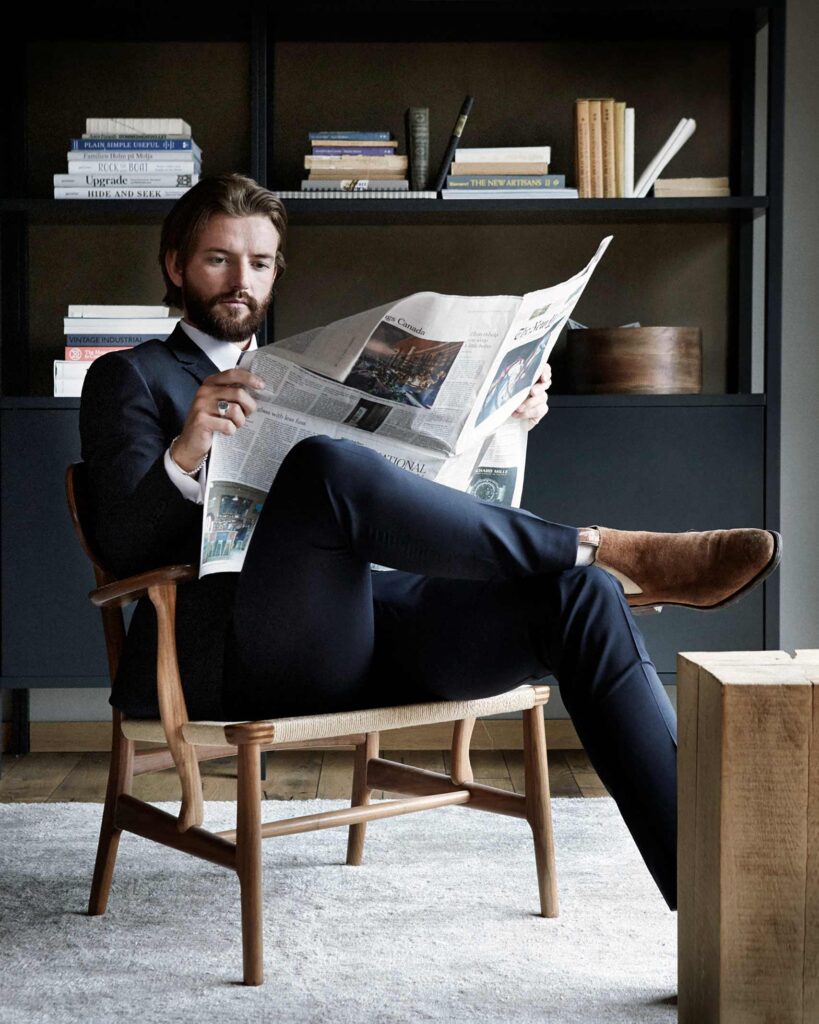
235 324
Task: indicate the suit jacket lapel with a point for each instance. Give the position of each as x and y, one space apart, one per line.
190 355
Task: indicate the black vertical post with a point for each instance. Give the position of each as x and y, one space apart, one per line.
259 107
773 290
740 342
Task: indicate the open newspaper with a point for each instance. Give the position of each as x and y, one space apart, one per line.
429 382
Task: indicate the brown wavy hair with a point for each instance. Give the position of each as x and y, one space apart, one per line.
231 194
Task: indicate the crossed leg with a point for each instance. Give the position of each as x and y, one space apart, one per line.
485 598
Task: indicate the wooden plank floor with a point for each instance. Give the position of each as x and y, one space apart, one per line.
291 775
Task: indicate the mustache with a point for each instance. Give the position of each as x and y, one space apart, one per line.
251 303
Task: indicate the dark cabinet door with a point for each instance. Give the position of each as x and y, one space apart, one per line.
662 468
52 635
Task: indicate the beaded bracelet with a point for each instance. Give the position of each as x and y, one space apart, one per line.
186 472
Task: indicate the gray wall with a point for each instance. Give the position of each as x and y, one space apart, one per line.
800 332
800 428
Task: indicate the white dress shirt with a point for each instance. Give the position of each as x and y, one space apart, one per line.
224 355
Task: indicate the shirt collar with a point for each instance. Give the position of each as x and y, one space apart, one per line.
223 354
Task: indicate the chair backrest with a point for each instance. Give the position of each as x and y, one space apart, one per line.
79 504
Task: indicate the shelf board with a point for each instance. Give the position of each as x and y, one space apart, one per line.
555 401
422 211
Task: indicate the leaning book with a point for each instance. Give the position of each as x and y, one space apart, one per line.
429 382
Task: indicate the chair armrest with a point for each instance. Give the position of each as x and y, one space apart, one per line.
122 592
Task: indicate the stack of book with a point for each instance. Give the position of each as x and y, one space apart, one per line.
352 164
131 158
690 187
604 150
94 331
505 172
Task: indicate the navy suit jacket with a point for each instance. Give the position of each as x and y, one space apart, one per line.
134 402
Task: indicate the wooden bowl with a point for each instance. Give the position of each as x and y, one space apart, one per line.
635 360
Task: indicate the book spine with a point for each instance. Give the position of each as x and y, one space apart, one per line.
129 312
619 148
134 162
126 180
543 181
88 353
68 388
135 142
109 340
351 136
331 163
582 148
417 126
337 151
596 147
63 370
155 126
119 193
628 155
354 184
505 154
461 167
155 327
609 170
358 194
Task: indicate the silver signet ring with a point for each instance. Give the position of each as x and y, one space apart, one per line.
222 407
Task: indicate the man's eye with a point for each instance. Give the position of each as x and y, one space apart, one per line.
217 259
262 266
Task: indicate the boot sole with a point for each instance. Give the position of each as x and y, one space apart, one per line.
760 577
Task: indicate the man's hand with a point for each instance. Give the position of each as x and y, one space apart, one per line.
203 419
536 404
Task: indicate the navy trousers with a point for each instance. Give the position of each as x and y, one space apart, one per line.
485 598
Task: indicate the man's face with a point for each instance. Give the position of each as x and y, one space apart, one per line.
228 279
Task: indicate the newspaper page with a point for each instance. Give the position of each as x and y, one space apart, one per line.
429 382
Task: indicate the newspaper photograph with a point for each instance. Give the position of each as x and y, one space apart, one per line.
429 382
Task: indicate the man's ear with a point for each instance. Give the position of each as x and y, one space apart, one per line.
173 267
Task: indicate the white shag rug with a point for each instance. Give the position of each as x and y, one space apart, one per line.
439 924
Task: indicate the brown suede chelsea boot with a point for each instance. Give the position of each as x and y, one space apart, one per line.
699 570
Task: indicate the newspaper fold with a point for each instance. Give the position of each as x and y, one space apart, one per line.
429 382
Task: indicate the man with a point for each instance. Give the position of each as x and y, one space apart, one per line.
484 597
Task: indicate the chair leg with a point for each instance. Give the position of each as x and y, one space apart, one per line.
361 795
249 860
539 807
120 777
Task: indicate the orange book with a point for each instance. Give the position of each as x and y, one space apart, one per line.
609 149
620 147
596 147
582 151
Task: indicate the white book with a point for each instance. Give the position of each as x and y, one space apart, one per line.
498 154
68 388
121 192
121 166
120 126
118 312
154 156
676 140
121 180
65 369
343 194
628 158
156 326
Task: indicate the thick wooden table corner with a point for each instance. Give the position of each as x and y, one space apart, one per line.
748 847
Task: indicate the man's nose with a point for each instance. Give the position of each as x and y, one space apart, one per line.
240 276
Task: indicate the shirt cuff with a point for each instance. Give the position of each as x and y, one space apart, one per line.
190 487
